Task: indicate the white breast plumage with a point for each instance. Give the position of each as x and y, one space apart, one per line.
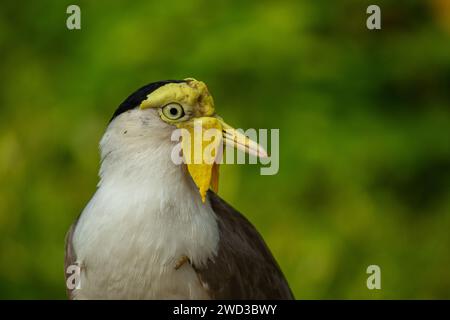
145 215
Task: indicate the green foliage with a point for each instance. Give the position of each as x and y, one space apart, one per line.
363 115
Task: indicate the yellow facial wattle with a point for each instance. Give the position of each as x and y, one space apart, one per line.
203 133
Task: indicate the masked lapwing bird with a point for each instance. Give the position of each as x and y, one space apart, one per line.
155 228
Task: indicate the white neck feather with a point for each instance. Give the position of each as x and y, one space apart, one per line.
147 212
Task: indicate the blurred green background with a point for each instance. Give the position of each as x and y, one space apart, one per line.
364 119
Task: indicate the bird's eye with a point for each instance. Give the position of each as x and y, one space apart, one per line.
173 111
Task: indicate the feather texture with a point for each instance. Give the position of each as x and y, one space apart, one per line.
147 214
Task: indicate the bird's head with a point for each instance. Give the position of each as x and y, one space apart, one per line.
187 105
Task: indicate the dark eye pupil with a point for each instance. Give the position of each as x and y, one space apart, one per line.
173 111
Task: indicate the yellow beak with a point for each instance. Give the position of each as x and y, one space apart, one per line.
202 142
236 139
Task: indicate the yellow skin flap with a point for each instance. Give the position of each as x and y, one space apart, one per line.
197 102
200 145
193 95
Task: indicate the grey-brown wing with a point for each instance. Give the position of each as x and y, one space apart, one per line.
69 256
244 267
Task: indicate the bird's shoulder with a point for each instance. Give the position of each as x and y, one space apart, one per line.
244 267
